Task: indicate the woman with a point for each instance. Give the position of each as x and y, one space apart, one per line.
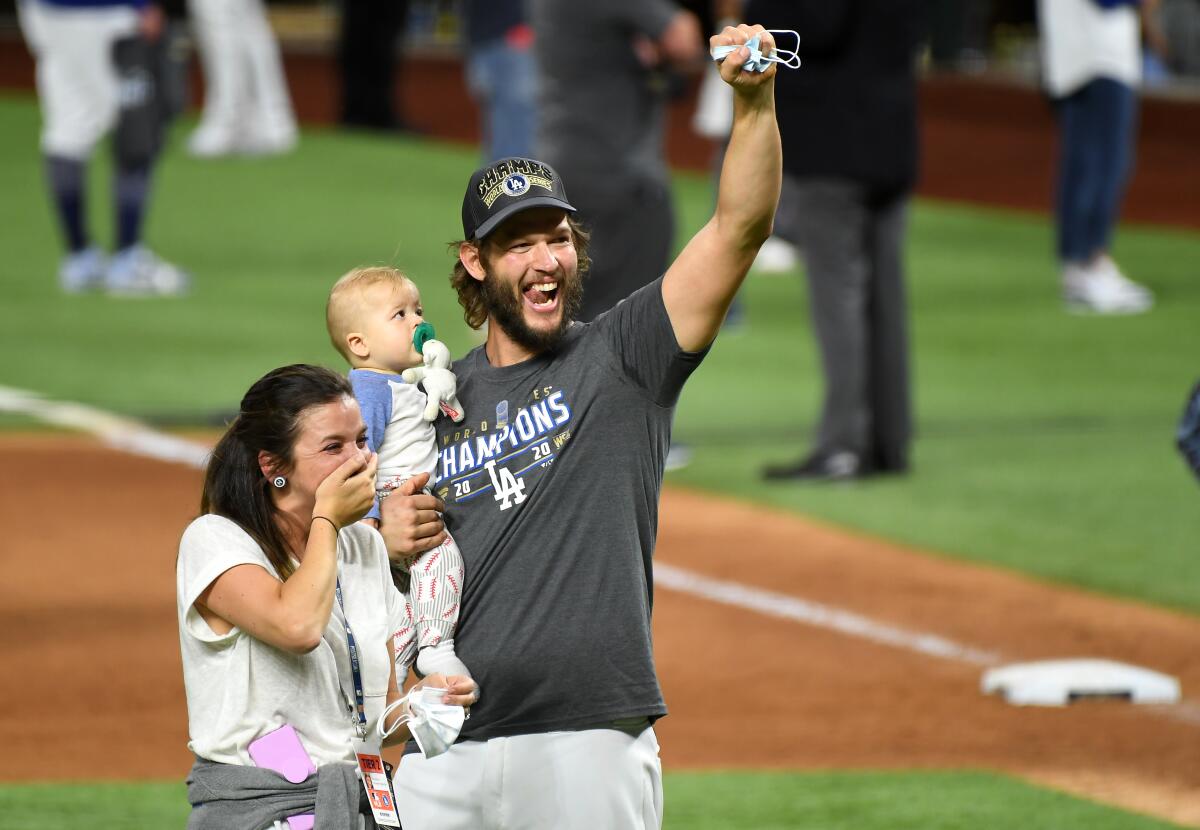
272 581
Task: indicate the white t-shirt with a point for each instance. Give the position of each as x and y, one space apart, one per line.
1082 42
239 688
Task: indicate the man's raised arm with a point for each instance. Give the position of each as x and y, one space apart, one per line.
701 283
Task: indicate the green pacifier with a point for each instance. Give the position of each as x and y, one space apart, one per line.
423 333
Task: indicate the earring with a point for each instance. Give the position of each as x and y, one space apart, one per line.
280 482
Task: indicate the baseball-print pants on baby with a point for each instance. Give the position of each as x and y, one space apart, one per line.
433 597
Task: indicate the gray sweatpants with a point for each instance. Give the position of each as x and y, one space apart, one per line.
852 244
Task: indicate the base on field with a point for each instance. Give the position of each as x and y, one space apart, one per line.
1059 682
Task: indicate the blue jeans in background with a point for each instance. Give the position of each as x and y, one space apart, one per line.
1097 131
503 80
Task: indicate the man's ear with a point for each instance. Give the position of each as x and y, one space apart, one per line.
269 465
358 347
468 255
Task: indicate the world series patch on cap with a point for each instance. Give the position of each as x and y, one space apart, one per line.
509 186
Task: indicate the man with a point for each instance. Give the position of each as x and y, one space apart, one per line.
502 75
552 485
83 95
367 64
1092 60
848 176
247 108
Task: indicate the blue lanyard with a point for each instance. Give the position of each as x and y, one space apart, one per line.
354 666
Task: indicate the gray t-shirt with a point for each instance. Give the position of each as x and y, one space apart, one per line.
551 488
602 110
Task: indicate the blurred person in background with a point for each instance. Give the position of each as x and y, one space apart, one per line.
604 94
502 76
849 125
1091 56
84 95
1171 32
367 43
1179 23
1187 434
246 104
958 34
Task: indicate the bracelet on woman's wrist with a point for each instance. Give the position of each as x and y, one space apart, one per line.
326 518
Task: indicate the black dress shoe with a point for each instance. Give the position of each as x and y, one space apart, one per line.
839 465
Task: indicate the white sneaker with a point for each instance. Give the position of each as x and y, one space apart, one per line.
218 142
208 141
270 141
1101 288
138 272
82 271
776 256
1107 264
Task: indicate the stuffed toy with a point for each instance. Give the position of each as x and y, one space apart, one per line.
440 384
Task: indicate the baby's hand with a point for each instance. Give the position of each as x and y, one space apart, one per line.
460 689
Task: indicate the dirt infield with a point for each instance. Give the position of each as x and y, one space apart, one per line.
92 659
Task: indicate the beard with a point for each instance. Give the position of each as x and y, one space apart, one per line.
505 306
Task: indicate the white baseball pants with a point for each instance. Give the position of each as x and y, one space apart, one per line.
76 77
584 780
243 72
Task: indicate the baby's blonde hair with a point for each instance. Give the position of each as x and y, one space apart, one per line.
345 307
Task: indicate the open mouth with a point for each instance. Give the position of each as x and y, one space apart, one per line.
542 296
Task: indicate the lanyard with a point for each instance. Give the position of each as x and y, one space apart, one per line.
361 724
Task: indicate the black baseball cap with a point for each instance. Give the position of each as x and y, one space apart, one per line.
502 188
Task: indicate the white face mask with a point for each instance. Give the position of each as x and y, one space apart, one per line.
433 724
758 62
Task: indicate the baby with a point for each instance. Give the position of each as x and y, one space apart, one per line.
375 320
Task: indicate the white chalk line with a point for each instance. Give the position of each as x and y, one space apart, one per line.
792 608
784 606
114 430
134 437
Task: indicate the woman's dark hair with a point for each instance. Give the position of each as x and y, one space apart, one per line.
269 419
470 292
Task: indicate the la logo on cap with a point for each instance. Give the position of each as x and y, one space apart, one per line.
515 185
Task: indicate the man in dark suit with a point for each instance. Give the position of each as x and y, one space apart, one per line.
849 129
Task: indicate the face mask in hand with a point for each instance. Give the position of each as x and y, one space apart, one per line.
434 725
758 62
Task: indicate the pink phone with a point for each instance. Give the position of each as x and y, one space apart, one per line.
282 752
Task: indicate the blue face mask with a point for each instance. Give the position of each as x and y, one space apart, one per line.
758 62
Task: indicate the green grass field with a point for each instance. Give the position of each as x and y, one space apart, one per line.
1045 440
693 801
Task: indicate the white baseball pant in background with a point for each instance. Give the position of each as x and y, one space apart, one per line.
76 78
246 101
